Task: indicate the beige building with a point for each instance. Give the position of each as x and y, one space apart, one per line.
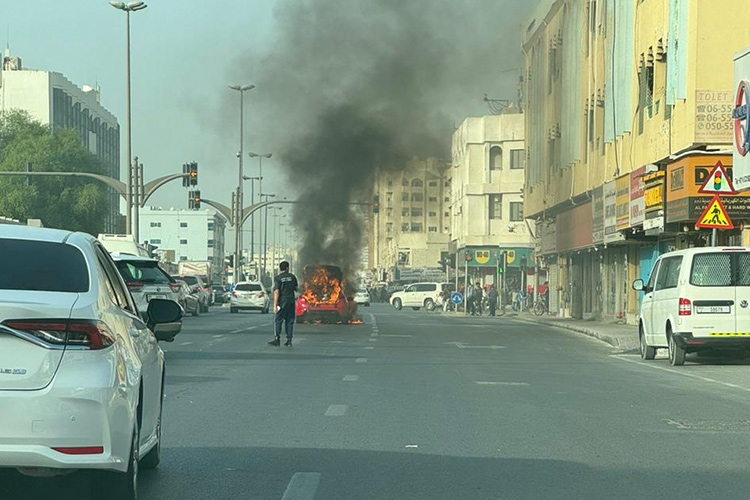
487 177
409 230
628 107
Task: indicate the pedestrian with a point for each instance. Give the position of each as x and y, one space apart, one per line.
469 298
492 298
284 307
477 299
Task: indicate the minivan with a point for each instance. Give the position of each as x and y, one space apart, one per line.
696 300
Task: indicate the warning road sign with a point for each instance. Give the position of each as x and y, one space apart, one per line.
718 182
715 216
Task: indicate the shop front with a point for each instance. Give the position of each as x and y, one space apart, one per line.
574 245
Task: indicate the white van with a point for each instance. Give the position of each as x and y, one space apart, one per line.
696 299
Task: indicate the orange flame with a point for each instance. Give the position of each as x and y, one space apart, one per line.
322 288
355 321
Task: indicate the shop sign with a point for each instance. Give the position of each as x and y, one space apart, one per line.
610 213
713 116
637 202
653 192
549 238
653 225
597 211
574 228
623 202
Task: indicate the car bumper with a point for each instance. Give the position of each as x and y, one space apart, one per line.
687 341
248 304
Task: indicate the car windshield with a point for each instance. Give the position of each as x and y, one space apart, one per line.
149 272
42 266
248 287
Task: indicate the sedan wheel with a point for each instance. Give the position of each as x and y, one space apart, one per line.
119 485
397 304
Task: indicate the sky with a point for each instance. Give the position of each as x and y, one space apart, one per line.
184 55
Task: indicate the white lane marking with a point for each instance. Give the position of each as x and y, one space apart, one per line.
461 345
486 382
186 343
351 378
683 373
251 328
369 347
373 340
303 486
361 360
399 336
336 410
411 446
218 336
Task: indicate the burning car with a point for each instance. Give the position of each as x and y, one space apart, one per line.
324 297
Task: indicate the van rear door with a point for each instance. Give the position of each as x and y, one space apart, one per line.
742 292
711 290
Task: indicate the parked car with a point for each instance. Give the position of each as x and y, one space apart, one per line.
188 299
82 376
145 279
418 295
362 297
696 300
219 293
249 295
198 286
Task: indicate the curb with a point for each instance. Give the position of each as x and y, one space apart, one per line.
609 339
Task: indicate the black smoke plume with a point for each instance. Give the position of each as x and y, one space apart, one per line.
352 86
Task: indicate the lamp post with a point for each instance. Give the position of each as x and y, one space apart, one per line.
239 201
260 157
276 216
265 230
128 8
252 217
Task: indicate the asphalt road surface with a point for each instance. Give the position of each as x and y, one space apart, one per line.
417 405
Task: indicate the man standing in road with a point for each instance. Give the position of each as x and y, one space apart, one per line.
284 288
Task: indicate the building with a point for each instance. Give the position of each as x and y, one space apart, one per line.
628 107
191 234
409 230
53 100
486 209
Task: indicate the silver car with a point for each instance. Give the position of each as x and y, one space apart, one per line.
249 295
145 279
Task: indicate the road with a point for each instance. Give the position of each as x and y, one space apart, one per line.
416 405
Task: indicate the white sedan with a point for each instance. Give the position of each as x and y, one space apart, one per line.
81 373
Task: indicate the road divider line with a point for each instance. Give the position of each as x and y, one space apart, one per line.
399 336
683 373
361 360
369 347
373 340
251 328
303 486
336 410
487 382
351 378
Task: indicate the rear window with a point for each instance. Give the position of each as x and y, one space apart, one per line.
248 287
190 280
142 272
42 266
721 269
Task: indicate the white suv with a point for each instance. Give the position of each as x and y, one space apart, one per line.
695 300
418 295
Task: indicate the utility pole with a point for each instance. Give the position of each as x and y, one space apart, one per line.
260 157
238 227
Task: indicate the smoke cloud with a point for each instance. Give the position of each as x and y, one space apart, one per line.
350 87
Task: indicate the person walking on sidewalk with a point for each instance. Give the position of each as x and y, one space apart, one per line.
284 288
492 299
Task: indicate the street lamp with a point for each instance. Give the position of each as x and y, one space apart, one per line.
252 217
276 227
260 157
128 8
238 212
265 231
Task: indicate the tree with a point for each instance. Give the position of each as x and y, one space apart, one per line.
75 204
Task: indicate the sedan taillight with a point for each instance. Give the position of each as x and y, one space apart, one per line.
175 287
135 286
685 308
261 294
86 334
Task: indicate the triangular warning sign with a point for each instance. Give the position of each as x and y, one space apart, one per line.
715 216
718 182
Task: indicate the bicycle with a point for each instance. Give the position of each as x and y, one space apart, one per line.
541 306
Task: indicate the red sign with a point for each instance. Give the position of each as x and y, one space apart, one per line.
717 182
715 216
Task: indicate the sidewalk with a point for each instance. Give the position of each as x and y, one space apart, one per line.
624 337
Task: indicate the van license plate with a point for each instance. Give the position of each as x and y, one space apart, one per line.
156 297
712 309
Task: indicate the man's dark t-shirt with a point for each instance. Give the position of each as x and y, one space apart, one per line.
286 284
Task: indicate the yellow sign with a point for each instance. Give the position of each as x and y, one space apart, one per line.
715 216
482 256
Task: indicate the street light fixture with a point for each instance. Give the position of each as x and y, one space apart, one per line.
239 200
130 227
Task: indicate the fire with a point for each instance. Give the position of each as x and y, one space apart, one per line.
355 321
322 287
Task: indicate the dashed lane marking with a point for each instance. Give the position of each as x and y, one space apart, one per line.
487 382
251 328
361 360
351 378
303 486
369 347
336 410
399 336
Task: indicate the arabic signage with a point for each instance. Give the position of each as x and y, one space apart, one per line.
488 256
597 213
637 202
654 203
610 213
713 116
622 210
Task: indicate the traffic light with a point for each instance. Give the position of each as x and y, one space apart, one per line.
185 179
376 204
192 170
194 200
501 262
229 260
468 257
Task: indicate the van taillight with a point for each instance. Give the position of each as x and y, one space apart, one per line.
87 334
135 286
686 308
175 287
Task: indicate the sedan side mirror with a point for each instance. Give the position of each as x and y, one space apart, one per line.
639 286
164 319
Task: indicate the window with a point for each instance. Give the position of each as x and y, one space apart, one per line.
669 274
183 242
405 182
416 212
496 206
389 196
142 271
447 214
389 227
390 183
433 229
416 228
516 211
425 287
652 277
711 269
432 183
405 212
389 212
183 224
433 214
417 183
516 159
155 241
447 199
432 198
183 257
405 227
210 226
210 243
405 197
43 266
496 158
249 287
155 224
417 197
